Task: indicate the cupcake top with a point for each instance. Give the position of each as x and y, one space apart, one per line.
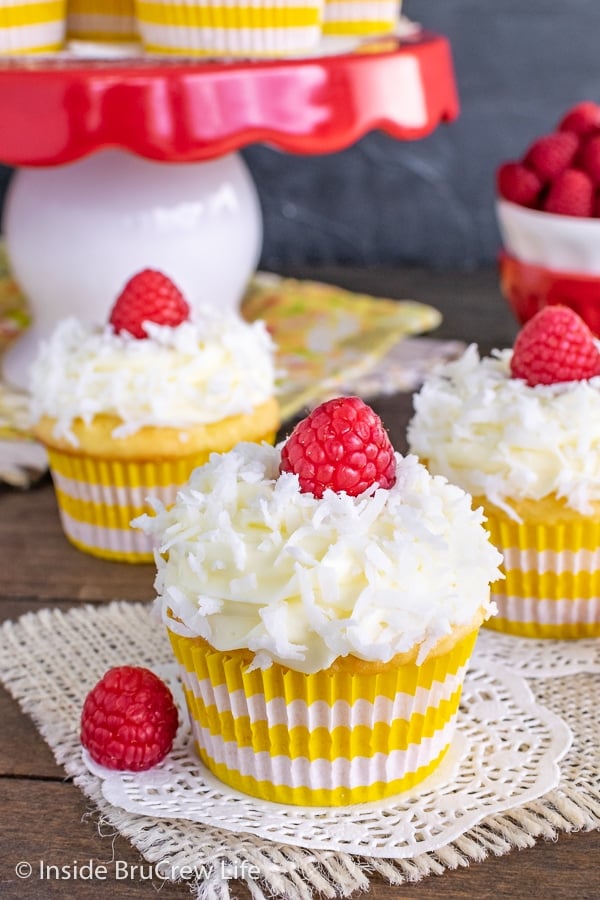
501 430
260 553
150 368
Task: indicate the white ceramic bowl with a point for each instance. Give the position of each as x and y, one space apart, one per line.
566 243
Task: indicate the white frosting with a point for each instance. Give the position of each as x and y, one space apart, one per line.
497 437
199 372
252 562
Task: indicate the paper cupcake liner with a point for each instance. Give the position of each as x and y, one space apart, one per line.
98 498
359 17
552 583
101 20
32 27
228 27
331 738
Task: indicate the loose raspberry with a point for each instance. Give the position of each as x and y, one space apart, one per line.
555 345
341 445
518 184
129 719
552 154
582 119
589 158
571 194
148 296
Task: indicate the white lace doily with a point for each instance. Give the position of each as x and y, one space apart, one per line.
538 658
506 754
50 659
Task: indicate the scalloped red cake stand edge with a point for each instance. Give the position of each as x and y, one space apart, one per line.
59 110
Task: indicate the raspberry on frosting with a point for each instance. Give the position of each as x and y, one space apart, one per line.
149 296
341 445
555 346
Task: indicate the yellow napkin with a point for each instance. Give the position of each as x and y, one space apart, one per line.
328 337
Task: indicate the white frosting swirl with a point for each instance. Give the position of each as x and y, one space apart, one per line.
199 372
498 437
252 562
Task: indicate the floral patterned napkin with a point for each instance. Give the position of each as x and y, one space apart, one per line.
328 338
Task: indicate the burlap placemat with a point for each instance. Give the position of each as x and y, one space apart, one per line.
50 659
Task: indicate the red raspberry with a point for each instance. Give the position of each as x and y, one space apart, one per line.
555 345
341 445
129 719
552 154
148 296
589 158
583 119
571 194
518 184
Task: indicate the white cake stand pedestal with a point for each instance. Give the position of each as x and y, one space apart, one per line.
131 163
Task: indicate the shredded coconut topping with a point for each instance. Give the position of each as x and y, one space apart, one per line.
497 437
199 372
249 561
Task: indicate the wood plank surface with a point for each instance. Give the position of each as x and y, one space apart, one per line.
52 824
43 565
46 820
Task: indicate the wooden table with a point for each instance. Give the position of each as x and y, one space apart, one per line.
45 817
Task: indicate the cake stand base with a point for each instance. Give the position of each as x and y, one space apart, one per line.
76 233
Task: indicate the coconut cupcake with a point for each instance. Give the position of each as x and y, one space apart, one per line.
209 28
520 430
360 18
32 27
322 598
106 21
128 410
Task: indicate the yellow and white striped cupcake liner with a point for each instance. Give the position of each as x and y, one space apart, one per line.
552 583
349 18
32 26
331 738
229 27
109 21
98 498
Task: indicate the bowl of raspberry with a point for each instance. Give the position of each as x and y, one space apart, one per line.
548 211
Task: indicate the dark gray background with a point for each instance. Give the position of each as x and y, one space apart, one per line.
519 65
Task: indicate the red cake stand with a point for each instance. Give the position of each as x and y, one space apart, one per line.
129 163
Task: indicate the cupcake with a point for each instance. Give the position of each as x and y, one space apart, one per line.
107 21
322 598
520 430
32 27
208 28
548 211
126 411
360 18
